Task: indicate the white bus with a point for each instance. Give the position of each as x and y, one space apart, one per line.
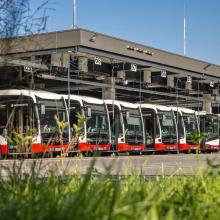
28 124
95 135
187 123
209 126
127 133
160 128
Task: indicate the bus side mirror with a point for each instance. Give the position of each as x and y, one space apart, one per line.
42 109
164 118
89 112
127 115
188 120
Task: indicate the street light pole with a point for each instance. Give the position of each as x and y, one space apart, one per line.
177 112
74 14
184 31
68 86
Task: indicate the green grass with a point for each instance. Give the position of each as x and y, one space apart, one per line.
104 197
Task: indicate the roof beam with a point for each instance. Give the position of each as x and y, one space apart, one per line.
105 85
81 88
17 62
159 66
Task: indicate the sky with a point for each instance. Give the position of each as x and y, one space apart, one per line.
155 23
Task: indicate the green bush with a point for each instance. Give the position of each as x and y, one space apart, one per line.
104 197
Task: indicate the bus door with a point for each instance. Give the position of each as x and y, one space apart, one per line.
75 108
151 127
115 124
180 129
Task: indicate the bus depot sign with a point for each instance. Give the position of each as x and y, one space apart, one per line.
98 61
27 69
140 50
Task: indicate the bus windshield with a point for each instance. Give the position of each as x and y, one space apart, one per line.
167 124
132 123
211 126
51 112
97 124
17 117
19 112
190 123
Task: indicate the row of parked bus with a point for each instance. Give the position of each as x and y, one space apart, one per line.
28 125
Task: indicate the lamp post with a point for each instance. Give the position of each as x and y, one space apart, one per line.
68 83
177 112
218 114
74 14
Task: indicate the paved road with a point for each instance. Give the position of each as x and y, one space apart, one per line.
147 165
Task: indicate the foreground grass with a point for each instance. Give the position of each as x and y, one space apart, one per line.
89 197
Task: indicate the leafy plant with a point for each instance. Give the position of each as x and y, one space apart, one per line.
61 126
77 129
197 136
19 141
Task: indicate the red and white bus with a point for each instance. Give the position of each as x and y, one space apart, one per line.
187 123
127 132
29 116
95 135
160 128
209 126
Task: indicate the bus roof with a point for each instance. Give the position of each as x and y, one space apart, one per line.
205 113
201 113
184 110
30 93
121 103
155 107
85 99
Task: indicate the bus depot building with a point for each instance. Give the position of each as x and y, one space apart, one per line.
87 63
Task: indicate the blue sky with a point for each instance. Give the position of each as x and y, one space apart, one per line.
156 23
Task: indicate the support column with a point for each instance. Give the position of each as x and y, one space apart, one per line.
121 74
83 64
170 81
56 59
207 103
60 59
188 85
147 76
109 93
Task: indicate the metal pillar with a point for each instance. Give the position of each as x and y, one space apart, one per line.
109 92
207 103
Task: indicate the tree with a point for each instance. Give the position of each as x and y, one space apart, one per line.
17 18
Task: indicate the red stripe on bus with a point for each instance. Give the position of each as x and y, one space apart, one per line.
93 147
4 149
128 147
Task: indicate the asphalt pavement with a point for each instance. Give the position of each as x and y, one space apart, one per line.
147 165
